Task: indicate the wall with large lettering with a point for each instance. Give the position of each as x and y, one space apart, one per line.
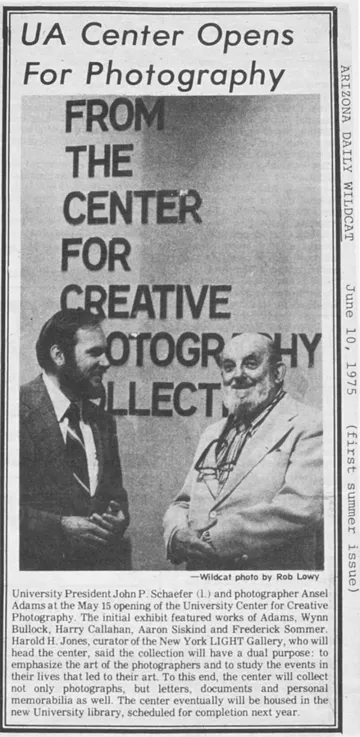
181 220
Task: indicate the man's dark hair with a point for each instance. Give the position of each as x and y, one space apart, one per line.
275 356
61 330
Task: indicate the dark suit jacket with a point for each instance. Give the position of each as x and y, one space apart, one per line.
49 491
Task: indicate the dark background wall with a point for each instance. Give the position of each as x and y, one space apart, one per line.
256 163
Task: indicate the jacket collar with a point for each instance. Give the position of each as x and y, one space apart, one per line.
60 402
47 435
273 429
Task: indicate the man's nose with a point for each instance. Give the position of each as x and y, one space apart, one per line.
238 371
104 361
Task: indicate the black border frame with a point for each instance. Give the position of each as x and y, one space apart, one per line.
331 11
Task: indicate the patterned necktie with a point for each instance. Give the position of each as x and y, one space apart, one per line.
75 448
228 452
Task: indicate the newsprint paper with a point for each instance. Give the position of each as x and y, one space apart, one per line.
181 514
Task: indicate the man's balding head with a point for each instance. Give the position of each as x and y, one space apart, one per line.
252 373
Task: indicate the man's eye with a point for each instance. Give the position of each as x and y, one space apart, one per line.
228 367
251 364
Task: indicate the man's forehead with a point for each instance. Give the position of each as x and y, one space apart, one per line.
246 344
90 335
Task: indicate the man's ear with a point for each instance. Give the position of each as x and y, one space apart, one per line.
57 355
279 373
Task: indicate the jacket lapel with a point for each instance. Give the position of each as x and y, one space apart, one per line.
212 484
98 442
46 431
49 443
208 478
274 428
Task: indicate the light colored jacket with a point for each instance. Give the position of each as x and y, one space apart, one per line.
269 513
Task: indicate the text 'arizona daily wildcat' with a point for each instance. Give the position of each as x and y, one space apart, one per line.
179 368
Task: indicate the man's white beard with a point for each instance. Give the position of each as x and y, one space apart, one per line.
243 403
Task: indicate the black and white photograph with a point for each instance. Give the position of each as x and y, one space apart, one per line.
179 372
197 249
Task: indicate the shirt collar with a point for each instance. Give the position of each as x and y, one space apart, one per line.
60 402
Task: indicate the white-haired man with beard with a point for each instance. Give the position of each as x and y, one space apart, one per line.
253 498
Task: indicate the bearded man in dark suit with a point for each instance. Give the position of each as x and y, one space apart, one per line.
73 507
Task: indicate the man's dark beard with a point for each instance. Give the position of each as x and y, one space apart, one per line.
77 386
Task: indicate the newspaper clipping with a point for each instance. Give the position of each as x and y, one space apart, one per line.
179 368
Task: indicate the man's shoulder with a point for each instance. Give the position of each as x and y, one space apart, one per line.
32 393
303 414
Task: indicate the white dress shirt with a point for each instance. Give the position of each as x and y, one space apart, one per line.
61 404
